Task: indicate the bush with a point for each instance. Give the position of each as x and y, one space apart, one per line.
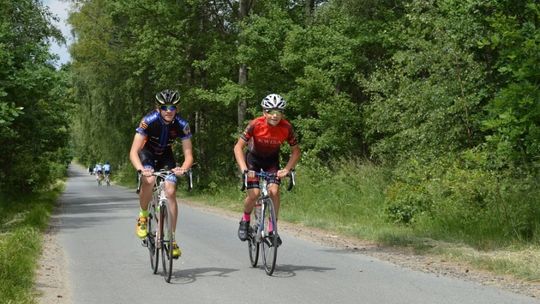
449 199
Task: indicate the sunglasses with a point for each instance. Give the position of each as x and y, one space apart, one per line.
168 108
273 112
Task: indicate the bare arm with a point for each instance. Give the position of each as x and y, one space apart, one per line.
187 148
293 160
239 154
136 146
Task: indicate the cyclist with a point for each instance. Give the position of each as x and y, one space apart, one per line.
152 150
98 171
107 168
263 136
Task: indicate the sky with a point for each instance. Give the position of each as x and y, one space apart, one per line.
60 8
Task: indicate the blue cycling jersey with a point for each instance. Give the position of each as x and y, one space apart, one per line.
161 135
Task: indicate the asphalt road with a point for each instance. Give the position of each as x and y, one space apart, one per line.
107 264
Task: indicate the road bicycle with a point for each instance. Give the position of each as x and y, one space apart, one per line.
99 178
160 237
260 237
107 180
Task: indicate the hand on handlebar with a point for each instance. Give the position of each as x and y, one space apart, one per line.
147 171
250 173
179 171
283 173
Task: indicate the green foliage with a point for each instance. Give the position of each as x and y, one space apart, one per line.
348 197
428 99
513 120
33 104
456 199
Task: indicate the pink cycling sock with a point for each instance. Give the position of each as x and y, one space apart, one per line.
246 217
270 226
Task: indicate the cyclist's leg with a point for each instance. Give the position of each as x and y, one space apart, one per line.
273 192
253 190
147 182
273 184
145 194
166 160
170 192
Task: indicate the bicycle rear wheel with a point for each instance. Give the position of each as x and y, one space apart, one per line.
151 240
166 251
269 241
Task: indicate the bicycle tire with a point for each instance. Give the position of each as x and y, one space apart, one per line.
269 242
166 251
151 239
253 246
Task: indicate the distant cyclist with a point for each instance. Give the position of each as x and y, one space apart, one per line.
152 150
98 171
107 168
263 137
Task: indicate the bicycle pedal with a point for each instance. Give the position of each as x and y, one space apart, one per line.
144 243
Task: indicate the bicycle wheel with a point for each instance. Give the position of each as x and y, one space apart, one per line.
166 251
269 241
253 246
151 239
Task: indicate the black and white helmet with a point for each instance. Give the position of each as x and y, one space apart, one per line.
167 97
273 101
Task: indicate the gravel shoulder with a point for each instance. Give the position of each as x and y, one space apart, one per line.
51 280
52 284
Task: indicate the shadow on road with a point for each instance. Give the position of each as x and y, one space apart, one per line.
188 276
287 271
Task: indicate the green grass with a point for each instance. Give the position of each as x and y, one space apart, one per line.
24 219
351 201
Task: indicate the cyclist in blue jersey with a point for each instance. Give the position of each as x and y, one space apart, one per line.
152 150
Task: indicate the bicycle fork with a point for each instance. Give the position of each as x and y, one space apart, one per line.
261 222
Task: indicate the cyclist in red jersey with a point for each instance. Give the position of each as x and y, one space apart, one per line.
263 137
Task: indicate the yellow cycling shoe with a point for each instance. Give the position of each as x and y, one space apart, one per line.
141 227
176 252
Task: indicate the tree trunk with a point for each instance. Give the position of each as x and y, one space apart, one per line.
243 71
309 7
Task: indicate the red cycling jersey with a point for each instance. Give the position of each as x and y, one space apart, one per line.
264 140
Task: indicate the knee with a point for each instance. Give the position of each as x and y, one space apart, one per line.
273 192
252 196
149 181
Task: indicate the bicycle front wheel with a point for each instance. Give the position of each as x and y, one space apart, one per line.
151 239
166 252
253 246
269 241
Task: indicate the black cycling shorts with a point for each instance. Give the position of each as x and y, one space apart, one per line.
255 163
157 162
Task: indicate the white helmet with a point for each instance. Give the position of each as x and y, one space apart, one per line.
273 101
